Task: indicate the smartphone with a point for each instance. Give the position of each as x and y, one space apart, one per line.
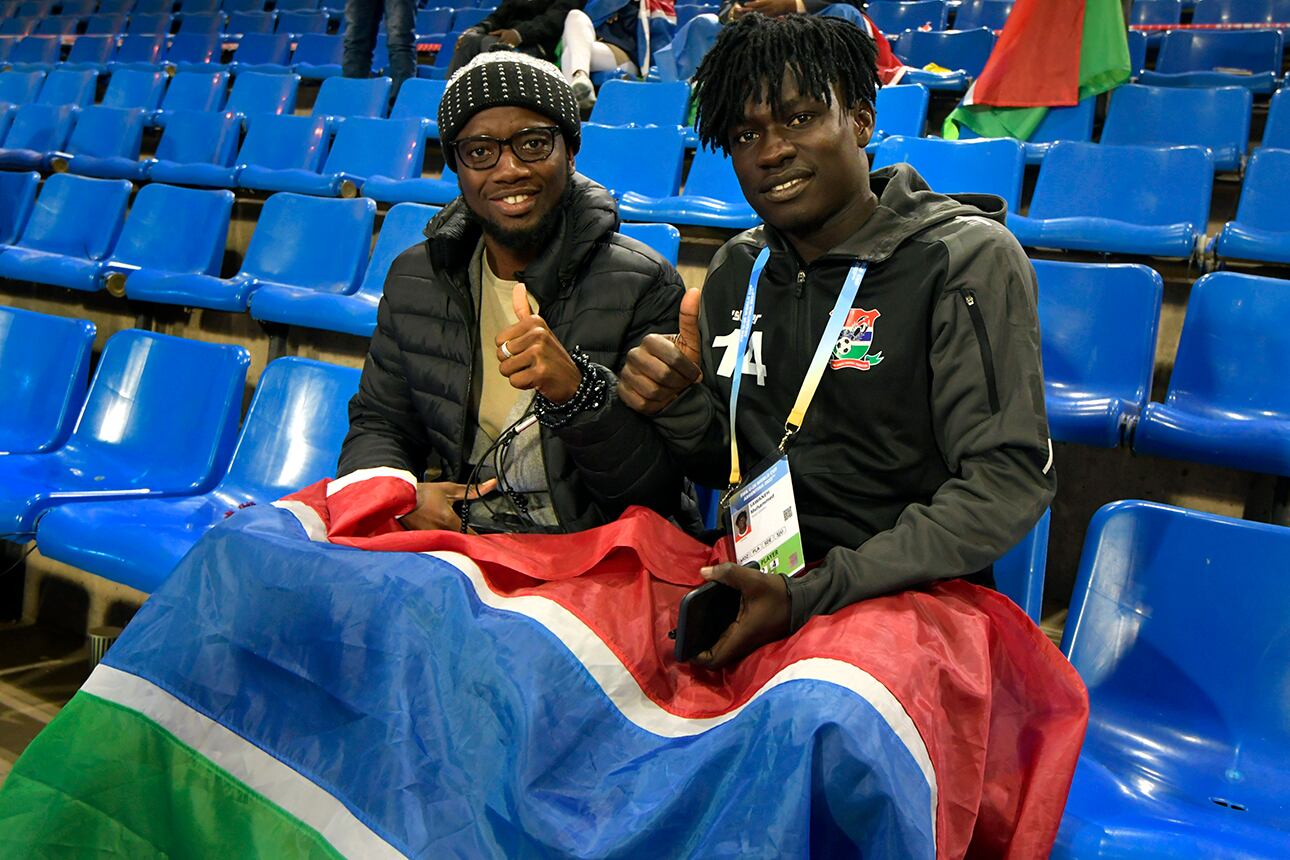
704 615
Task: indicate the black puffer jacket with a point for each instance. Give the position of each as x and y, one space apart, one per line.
540 23
597 289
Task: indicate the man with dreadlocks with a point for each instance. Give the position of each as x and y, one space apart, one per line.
916 437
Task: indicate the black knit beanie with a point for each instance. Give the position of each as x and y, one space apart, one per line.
498 78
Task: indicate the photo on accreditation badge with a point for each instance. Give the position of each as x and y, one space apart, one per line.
743 527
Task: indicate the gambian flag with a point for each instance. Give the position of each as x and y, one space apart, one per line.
312 681
1052 53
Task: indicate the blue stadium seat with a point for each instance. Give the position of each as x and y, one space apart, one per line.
17 194
73 226
192 91
341 98
255 94
290 439
34 52
896 17
312 242
271 142
902 110
105 142
1156 12
1099 325
35 8
44 368
1119 199
57 25
1217 118
419 98
194 138
90 53
232 7
711 198
419 189
437 71
1061 123
115 7
147 25
663 238
606 157
6 118
1137 54
350 313
1261 230
1247 58
19 88
1020 573
1276 133
68 87
964 52
318 57
16 27
467 18
131 88
152 7
246 23
197 8
104 24
982 13
192 52
1178 626
300 23
366 155
1228 402
961 166
146 430
36 131
437 20
203 23
623 103
267 53
79 8
296 5
139 51
1238 12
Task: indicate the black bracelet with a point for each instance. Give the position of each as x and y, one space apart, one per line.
589 396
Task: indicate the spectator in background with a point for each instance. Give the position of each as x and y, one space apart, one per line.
362 19
531 27
613 34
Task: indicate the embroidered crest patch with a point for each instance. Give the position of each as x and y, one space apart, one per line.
853 348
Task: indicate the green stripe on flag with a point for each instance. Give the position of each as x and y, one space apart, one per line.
105 781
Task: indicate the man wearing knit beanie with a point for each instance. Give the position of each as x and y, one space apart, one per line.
491 379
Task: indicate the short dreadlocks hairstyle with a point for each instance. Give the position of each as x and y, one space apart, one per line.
753 55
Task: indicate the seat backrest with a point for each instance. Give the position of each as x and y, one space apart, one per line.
202 22
107 132
92 50
662 238
1066 123
1276 134
1139 184
1156 12
311 242
1099 325
40 128
953 49
438 20
1020 573
284 142
152 7
981 166
294 427
115 7
1180 627
346 97
193 48
318 49
77 7
16 26
635 103
301 22
134 88
296 5
57 25
272 48
141 48
165 405
712 175
467 18
902 109
193 8
17 193
1264 202
173 229
104 25
377 147
892 16
19 88
983 13
1234 12
245 23
196 137
234 6
1137 53
44 369
1206 51
196 91
68 87
401 229
77 216
256 93
1217 117
36 49
1230 354
418 99
644 160
148 24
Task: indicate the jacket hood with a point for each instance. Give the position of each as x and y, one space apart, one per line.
906 206
589 215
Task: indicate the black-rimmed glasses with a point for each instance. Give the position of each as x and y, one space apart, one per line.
480 152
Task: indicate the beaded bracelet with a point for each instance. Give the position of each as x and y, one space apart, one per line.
589 396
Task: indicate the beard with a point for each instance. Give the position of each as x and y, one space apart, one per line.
533 239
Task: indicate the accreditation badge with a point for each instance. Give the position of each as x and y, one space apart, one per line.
763 520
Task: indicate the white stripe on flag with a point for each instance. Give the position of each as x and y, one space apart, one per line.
626 694
363 474
308 519
243 761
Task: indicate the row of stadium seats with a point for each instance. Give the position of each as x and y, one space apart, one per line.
1210 11
35 9
898 16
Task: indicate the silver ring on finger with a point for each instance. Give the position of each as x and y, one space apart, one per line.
506 350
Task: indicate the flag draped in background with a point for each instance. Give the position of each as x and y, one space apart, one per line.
1052 53
515 696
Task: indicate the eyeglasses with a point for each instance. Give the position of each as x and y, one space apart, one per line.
481 152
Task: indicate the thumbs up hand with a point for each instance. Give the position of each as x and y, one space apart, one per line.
531 357
663 366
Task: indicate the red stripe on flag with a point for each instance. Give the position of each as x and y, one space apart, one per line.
1035 63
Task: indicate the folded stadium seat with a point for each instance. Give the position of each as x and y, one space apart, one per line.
104 24
299 23
367 155
105 142
258 94
1261 231
1228 402
1276 134
633 103
80 8
147 25
1178 626
68 87
190 8
74 225
35 8
897 17
963 52
192 52
1217 118
17 194
19 88
44 369
1119 199
290 439
435 20
244 23
232 7
614 158
115 7
901 109
271 143
1099 325
131 88
193 141
711 198
1246 58
419 99
418 189
36 131
981 166
33 53
318 56
341 98
1019 574
192 91
146 430
349 313
1064 123
983 13
57 25
312 242
204 23
1156 12
663 238
142 52
17 26
266 53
